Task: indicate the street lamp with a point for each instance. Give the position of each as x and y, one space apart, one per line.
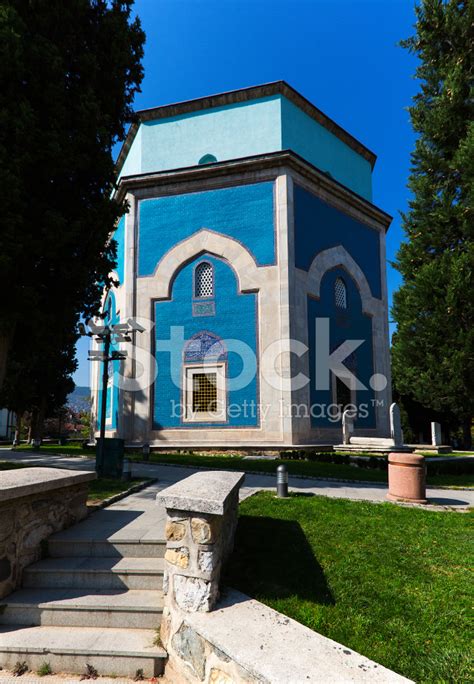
107 335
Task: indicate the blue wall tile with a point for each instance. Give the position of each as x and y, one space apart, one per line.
235 318
244 213
119 237
319 226
348 324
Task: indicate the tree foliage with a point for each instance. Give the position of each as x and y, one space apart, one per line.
433 350
69 73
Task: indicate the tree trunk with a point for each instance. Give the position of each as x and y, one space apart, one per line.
38 428
32 427
466 433
5 340
17 437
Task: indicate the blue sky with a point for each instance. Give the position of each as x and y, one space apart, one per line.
340 54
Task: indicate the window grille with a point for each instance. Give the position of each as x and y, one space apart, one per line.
340 294
203 280
204 392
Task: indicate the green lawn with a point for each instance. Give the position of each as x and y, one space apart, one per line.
229 461
308 468
99 489
104 487
6 465
67 450
390 582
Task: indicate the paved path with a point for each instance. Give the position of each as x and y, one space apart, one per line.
460 499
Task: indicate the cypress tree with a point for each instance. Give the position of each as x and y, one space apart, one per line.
433 350
69 73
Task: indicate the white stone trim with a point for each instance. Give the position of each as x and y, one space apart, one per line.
250 277
189 371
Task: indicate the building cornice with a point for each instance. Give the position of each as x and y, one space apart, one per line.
319 181
238 96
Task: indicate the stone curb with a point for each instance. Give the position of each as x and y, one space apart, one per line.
122 495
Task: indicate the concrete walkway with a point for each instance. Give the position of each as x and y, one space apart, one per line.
439 499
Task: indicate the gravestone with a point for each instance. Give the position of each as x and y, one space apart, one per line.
435 434
396 425
347 425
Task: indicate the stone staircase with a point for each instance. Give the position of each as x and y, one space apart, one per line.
373 444
94 600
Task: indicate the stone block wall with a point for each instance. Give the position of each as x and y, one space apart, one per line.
201 521
35 503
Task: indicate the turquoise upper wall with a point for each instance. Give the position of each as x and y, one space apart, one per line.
230 132
245 129
320 147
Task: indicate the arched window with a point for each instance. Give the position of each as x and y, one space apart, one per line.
204 378
340 294
204 280
207 159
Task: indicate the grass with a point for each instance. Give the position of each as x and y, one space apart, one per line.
100 489
233 462
453 454
56 449
104 488
6 465
306 468
390 582
44 669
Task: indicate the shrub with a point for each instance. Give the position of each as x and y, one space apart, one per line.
44 669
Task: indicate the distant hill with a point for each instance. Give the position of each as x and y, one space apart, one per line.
78 400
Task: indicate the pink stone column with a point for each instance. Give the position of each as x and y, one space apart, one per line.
407 478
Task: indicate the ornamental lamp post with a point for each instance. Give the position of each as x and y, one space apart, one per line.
107 335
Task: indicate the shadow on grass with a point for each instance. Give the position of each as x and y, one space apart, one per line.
272 559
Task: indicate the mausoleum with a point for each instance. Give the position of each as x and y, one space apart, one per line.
251 251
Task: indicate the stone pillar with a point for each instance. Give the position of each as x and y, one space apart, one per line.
202 515
396 425
436 434
347 425
407 478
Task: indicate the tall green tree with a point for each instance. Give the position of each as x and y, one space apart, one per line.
68 72
433 351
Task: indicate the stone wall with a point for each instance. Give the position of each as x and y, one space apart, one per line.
35 503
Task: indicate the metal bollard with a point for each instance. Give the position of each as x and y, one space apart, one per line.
282 481
127 470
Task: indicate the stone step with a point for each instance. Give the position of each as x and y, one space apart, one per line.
76 608
374 441
113 652
69 546
96 573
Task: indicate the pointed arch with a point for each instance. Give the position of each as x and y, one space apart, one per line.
338 257
204 241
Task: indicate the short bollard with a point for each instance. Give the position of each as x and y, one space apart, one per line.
127 470
407 478
282 482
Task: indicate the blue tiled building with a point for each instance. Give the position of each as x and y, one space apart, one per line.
250 253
